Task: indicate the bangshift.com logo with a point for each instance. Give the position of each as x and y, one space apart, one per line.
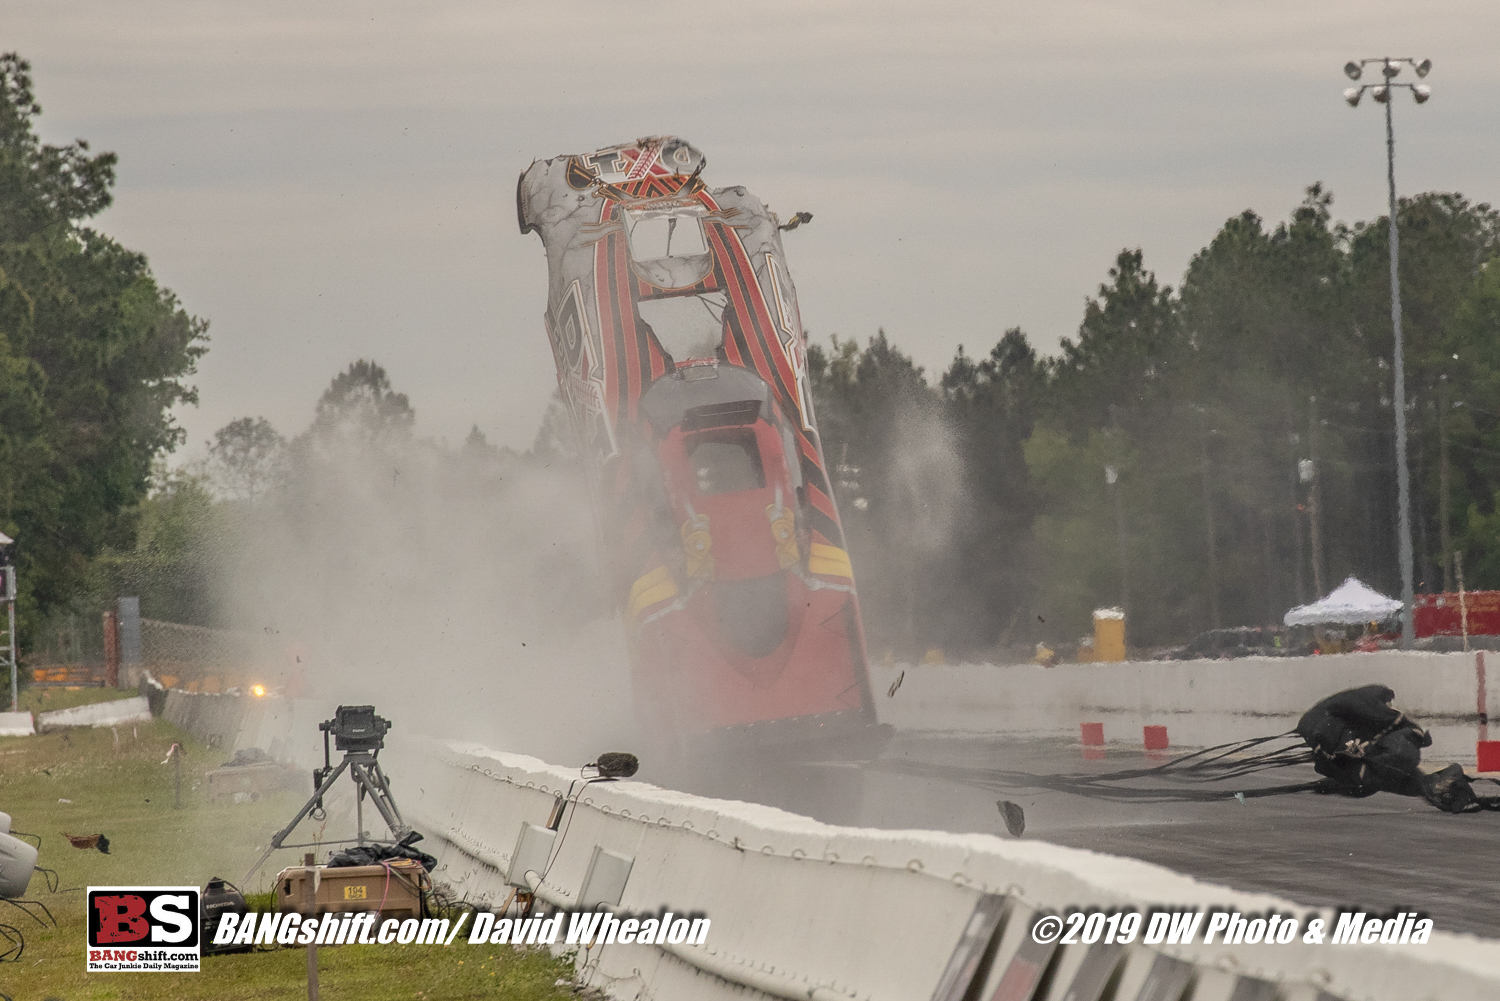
143 928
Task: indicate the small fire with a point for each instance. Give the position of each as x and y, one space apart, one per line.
258 690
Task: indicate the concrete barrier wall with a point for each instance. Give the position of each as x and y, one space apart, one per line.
1201 701
803 909
213 719
287 729
16 725
113 713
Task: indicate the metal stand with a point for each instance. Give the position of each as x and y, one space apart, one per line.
364 769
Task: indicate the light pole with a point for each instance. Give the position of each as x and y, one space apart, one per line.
1112 480
8 598
1382 92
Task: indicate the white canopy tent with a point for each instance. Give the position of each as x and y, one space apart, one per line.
1350 603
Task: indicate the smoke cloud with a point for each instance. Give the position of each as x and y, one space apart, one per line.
456 590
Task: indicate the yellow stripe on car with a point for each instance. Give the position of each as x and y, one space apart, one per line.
654 587
830 561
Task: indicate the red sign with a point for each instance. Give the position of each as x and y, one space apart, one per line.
1438 614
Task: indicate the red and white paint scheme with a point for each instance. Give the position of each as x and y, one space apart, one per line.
681 358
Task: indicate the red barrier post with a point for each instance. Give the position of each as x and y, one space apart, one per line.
1155 738
1093 741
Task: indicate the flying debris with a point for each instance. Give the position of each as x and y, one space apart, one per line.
798 218
86 841
681 357
1014 816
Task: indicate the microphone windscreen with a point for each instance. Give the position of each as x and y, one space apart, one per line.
618 765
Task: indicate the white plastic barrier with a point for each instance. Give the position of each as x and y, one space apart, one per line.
16 725
1200 701
132 710
801 909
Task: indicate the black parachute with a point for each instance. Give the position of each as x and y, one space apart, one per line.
1356 740
1362 745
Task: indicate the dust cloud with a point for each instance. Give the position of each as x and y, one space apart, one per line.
457 590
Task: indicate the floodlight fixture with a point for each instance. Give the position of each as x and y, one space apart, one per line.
1424 67
1381 94
1421 92
1352 95
1353 70
1391 68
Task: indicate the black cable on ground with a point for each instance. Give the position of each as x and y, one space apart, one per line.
12 944
1092 786
49 876
1221 763
1197 767
18 902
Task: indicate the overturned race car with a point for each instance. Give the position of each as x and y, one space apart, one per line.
680 357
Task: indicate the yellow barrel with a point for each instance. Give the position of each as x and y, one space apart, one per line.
1109 634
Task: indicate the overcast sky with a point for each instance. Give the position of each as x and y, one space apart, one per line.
329 181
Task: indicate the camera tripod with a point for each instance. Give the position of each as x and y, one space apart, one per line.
360 734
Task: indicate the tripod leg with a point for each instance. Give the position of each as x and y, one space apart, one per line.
281 835
372 778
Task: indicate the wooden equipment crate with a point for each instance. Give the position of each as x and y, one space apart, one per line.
394 889
248 783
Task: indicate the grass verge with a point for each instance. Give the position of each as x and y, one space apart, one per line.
112 781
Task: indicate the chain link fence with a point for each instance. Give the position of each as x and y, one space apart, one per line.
199 659
77 649
67 650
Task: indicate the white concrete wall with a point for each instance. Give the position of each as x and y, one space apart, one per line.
802 909
16 725
859 913
1201 702
114 713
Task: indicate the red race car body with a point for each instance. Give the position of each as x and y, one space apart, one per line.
681 359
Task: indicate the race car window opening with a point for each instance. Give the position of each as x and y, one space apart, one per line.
654 237
668 250
726 462
686 326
